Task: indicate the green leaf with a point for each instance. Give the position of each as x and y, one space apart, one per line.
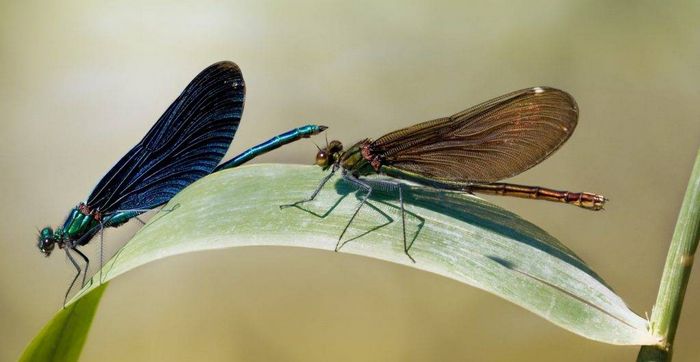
455 235
62 339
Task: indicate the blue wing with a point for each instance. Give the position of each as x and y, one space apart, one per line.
186 143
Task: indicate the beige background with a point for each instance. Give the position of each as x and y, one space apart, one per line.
81 83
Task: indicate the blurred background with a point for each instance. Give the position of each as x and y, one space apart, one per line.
80 83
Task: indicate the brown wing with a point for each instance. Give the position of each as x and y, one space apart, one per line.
494 140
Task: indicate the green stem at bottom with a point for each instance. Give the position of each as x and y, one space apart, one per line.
666 312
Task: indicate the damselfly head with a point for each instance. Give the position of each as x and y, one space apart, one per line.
328 155
46 241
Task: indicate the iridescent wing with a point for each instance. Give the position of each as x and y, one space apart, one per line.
185 144
494 140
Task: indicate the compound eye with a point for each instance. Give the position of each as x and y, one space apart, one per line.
46 241
46 246
322 158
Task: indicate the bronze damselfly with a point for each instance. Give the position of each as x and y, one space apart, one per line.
469 151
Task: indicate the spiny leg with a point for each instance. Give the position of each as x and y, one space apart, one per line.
354 180
373 229
419 226
406 247
87 264
314 194
102 248
75 278
390 186
83 240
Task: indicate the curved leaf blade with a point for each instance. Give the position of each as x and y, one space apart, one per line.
62 339
455 235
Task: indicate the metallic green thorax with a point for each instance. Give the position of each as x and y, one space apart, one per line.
77 224
80 226
353 161
359 159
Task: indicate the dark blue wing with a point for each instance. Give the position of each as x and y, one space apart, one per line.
186 143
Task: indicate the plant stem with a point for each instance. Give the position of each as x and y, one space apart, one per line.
667 310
